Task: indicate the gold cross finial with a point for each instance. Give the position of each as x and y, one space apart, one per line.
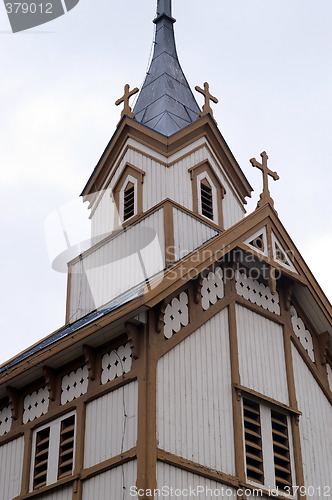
265 197
125 99
208 97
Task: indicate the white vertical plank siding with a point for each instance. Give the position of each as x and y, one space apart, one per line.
102 221
315 427
161 182
233 210
11 463
114 484
106 424
104 274
189 233
261 355
194 399
181 481
59 494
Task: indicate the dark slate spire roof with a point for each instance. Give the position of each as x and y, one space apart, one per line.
165 103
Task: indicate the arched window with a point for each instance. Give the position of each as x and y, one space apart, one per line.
207 192
129 201
128 194
206 199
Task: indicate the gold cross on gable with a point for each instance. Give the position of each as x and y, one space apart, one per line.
265 197
208 97
125 99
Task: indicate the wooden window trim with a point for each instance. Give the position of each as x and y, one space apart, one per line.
207 198
272 463
41 458
281 449
130 173
67 446
53 457
129 200
253 440
198 173
242 390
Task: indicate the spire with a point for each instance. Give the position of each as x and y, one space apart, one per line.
164 7
165 103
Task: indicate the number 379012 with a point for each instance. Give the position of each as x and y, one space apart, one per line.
309 491
29 8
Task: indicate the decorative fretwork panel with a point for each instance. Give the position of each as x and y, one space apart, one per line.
258 242
116 363
5 420
176 315
36 405
74 385
212 288
281 255
256 292
302 333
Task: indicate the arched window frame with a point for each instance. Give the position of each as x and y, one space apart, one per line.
198 173
132 174
200 178
132 180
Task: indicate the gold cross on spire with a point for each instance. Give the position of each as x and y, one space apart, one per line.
125 99
208 97
265 197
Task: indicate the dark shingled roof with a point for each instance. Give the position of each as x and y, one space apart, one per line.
165 103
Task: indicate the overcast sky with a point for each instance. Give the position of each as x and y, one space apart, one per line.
268 62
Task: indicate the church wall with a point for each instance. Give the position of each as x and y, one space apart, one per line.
105 425
189 233
173 477
194 399
261 355
233 211
315 427
115 266
162 181
110 484
11 463
102 221
59 494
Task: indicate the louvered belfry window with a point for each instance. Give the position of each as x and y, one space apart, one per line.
67 443
129 201
281 450
253 441
206 199
41 458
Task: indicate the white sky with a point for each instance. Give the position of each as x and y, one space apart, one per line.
268 62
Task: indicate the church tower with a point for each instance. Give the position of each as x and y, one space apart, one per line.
196 357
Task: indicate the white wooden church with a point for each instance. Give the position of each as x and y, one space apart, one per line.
196 358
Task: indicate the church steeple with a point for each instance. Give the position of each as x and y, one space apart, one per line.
164 7
165 103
